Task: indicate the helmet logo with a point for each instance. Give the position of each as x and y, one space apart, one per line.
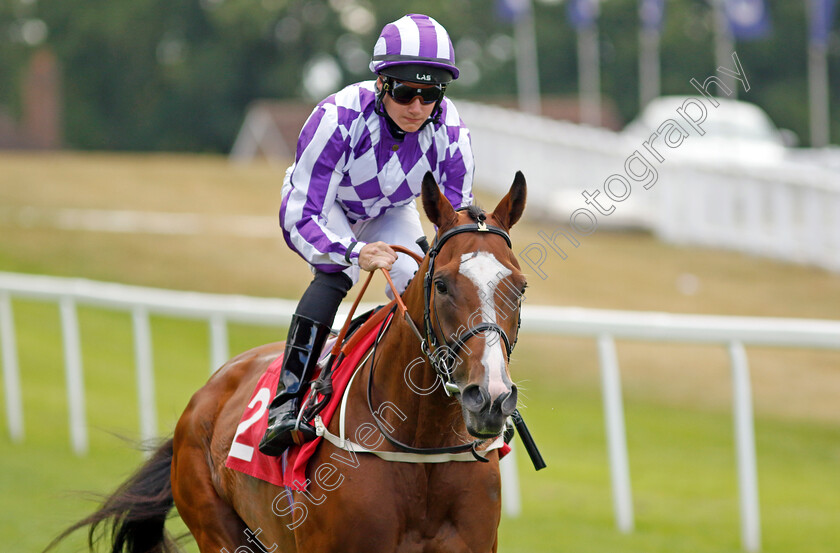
424 77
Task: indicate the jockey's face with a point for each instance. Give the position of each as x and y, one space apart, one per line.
408 117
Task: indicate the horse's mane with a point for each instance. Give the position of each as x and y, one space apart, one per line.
475 212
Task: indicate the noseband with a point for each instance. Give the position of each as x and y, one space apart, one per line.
442 354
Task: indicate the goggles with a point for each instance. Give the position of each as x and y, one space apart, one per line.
404 93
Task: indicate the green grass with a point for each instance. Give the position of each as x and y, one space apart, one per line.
681 459
39 478
677 397
682 466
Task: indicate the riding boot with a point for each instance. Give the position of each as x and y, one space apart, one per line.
306 338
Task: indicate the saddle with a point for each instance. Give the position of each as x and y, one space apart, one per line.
290 469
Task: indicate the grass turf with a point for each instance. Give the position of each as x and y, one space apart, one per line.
681 459
676 397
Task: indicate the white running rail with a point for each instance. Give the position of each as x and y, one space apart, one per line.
602 325
790 212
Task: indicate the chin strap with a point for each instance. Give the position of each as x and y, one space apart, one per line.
395 129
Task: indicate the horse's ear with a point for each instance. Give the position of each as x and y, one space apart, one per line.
437 207
510 208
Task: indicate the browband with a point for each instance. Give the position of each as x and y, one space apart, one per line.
480 226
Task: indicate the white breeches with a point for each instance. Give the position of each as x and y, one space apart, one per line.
398 225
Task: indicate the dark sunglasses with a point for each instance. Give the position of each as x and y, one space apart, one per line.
404 93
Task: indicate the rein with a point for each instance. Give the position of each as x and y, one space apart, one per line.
470 447
430 345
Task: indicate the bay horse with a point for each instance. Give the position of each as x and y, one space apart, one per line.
464 302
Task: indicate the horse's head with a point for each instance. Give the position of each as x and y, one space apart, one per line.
474 289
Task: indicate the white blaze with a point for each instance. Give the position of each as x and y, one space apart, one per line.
485 271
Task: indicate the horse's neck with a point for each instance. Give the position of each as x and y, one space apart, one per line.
405 378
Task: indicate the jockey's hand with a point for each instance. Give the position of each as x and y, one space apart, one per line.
376 255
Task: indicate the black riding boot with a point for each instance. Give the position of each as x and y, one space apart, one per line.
306 338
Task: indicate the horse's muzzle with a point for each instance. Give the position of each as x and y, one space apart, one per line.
485 415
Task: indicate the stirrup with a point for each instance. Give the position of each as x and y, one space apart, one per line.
303 431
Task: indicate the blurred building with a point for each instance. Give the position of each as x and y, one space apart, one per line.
40 125
563 108
270 131
271 127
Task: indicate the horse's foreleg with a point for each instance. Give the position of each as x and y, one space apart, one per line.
213 523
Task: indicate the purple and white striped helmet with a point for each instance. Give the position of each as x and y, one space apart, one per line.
418 41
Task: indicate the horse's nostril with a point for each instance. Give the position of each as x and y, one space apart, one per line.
475 398
507 402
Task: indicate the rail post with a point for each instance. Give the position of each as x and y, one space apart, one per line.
73 374
616 436
745 448
11 370
218 342
145 373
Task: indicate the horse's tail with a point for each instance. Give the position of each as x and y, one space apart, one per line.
136 511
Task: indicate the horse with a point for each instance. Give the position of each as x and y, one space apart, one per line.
436 384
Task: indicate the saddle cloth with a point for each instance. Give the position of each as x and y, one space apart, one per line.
290 469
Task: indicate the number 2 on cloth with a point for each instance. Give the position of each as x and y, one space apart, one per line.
240 450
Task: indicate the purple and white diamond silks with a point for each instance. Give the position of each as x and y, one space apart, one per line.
346 155
414 38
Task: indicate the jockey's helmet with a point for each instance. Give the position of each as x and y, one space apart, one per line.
415 48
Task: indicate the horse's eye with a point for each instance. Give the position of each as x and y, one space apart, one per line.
440 286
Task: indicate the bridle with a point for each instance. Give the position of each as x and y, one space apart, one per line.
431 345
442 354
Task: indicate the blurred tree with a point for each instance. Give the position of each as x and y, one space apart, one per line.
20 31
179 74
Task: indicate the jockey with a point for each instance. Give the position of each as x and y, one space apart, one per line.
359 165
